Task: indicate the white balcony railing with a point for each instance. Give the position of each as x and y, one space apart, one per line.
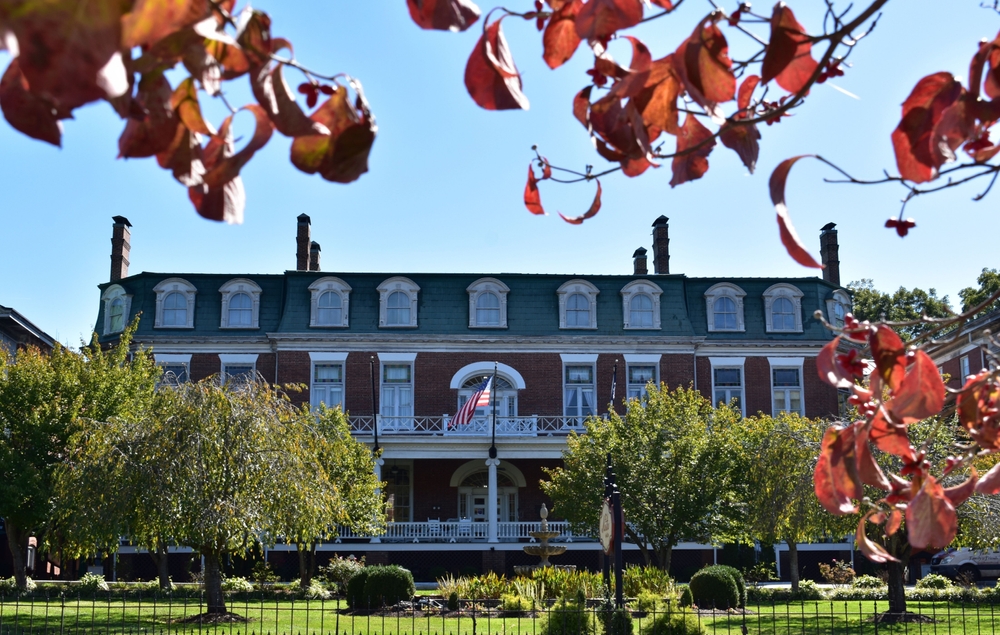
463 531
530 426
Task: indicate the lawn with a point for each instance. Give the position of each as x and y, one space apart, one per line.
76 616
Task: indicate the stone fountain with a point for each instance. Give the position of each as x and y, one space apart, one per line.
543 550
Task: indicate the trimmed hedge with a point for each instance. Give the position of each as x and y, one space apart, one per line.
389 585
569 618
713 587
356 598
737 575
674 623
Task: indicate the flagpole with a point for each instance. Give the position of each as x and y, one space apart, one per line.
493 398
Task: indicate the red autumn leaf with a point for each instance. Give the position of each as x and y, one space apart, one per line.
902 227
581 107
234 62
789 53
703 65
226 200
891 438
600 19
829 367
895 520
955 126
889 354
183 158
560 39
789 237
742 138
992 85
342 155
623 134
275 96
443 15
185 103
156 130
931 520
961 493
225 169
635 78
490 75
25 111
990 483
697 141
532 198
913 139
152 20
590 213
868 470
70 53
745 95
873 551
255 38
658 99
666 4
920 394
835 480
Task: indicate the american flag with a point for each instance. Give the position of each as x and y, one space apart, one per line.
478 399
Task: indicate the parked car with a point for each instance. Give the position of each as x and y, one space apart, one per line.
967 563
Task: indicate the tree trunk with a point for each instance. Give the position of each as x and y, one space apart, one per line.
17 540
307 564
793 563
664 555
897 597
213 583
162 563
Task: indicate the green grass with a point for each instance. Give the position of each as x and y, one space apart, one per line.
78 617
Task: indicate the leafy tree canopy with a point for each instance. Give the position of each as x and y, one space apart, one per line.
905 305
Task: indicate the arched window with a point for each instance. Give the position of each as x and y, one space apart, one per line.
175 309
725 314
328 309
116 309
397 309
839 313
577 311
240 310
503 396
641 312
487 309
117 317
782 315
838 305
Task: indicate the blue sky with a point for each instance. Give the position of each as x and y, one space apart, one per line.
446 178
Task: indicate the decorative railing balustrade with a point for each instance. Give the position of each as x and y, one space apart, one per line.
529 426
463 531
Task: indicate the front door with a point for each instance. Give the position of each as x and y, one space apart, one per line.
472 503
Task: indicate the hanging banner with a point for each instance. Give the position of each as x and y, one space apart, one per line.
607 527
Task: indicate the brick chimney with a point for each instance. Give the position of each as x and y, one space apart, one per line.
639 262
302 240
661 245
120 247
829 250
314 256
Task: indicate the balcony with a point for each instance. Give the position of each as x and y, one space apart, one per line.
461 531
530 426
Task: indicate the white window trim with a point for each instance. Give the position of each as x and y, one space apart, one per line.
794 295
321 286
788 362
174 359
328 358
487 285
730 362
240 285
642 360
397 359
407 286
111 294
572 287
236 358
641 287
730 290
482 369
837 297
578 359
323 357
168 286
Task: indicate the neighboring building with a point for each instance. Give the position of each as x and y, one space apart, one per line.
424 341
966 352
17 332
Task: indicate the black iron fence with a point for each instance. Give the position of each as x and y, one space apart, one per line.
113 614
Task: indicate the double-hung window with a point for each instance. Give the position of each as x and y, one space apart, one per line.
638 377
397 395
725 314
580 398
787 387
641 312
240 311
487 309
728 386
175 306
963 367
175 368
577 311
782 315
327 385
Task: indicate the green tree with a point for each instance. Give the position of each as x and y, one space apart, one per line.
43 400
989 283
902 306
777 496
672 455
221 469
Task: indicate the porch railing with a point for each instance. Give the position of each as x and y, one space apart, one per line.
463 531
529 426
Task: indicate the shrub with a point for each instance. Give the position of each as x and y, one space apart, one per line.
867 582
838 572
713 587
356 598
339 571
618 622
760 572
808 591
635 580
674 622
513 605
687 598
569 618
91 583
647 601
316 591
262 573
388 585
236 585
9 587
453 601
741 585
559 583
933 581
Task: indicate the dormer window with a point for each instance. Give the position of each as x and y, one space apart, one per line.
330 303
174 304
398 303
641 305
488 304
577 305
116 309
783 308
240 304
724 305
838 305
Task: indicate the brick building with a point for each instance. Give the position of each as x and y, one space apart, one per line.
412 347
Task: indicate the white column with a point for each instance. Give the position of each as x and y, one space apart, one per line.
492 500
379 462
